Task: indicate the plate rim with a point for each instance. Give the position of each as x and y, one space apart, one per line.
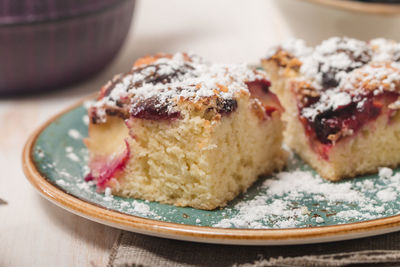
384 9
186 232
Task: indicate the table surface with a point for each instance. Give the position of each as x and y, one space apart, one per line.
34 232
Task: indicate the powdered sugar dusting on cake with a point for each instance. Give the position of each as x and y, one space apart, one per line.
333 58
171 79
296 47
385 50
377 77
341 71
331 99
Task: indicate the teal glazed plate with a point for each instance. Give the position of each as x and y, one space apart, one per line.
295 206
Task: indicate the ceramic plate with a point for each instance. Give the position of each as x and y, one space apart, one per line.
294 207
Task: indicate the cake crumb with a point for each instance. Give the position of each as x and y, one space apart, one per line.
319 220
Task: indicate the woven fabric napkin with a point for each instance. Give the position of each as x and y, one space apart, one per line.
132 249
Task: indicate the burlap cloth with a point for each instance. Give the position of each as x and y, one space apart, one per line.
132 249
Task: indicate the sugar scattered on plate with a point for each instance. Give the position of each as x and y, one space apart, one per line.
387 195
273 205
385 172
141 208
107 194
61 182
74 134
124 204
39 153
73 157
85 119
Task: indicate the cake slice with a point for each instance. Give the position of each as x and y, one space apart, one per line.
178 130
341 103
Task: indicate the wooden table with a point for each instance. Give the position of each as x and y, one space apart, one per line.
34 232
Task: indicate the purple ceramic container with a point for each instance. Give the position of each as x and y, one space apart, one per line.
48 44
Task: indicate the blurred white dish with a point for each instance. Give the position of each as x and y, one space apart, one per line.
316 20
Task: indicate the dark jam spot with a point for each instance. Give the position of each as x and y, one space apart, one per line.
396 56
329 78
153 109
331 122
226 106
310 100
154 77
349 117
93 115
117 112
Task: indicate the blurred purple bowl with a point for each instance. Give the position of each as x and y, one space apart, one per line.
50 44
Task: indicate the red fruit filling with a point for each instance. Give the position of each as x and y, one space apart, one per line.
103 169
331 125
260 89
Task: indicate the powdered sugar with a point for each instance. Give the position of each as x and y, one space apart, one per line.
74 134
85 119
296 47
385 173
73 157
107 194
61 182
385 50
276 204
331 99
387 194
375 77
336 55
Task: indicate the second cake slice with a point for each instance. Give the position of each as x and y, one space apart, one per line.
341 103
